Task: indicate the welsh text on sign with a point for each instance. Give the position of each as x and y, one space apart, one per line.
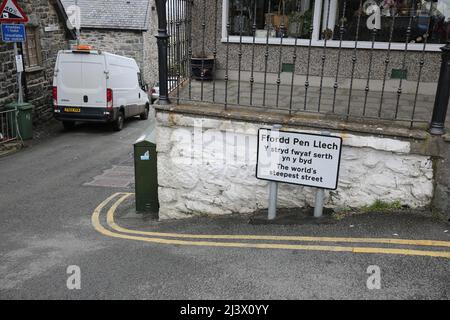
299 158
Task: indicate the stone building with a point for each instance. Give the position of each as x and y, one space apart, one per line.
123 27
117 26
47 33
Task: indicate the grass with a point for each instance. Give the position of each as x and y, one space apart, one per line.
378 206
342 213
382 206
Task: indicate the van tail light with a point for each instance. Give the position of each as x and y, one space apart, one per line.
153 90
109 99
55 97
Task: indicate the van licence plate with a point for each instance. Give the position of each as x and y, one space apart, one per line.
72 110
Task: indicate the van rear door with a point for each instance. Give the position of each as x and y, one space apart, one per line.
69 80
93 93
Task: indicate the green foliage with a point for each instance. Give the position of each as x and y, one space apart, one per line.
382 206
307 22
378 206
340 215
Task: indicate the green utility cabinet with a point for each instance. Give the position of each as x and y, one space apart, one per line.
146 174
24 113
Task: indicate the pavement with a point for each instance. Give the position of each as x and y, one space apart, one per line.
68 201
9 148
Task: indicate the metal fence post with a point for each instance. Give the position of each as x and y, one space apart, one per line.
320 194
163 40
273 186
437 126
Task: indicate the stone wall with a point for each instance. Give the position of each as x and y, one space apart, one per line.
137 44
151 48
128 43
38 80
430 69
8 87
441 201
207 166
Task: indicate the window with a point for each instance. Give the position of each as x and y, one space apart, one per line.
273 18
141 82
32 48
424 18
293 20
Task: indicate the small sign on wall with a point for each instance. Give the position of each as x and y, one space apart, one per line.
51 28
299 158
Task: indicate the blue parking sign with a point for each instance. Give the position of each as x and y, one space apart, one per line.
13 33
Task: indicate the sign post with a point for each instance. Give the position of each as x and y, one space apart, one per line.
320 196
311 160
273 187
19 72
10 12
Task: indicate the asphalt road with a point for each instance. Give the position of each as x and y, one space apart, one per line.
47 196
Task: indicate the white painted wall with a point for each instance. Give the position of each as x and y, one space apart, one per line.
210 168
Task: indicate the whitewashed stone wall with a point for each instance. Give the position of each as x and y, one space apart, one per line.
207 166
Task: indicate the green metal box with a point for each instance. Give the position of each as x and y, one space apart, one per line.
146 174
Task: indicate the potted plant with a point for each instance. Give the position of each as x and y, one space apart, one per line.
202 66
307 23
327 34
295 24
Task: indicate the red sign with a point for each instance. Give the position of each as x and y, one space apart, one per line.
11 12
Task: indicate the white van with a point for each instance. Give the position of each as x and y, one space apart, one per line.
95 86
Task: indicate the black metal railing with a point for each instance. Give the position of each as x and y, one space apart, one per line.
8 126
281 55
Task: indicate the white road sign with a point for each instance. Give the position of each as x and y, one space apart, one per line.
299 158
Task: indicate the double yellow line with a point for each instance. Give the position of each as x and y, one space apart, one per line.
174 238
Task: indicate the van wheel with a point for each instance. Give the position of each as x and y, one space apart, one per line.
118 124
68 125
144 115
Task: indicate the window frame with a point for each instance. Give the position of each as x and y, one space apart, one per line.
32 31
140 80
316 42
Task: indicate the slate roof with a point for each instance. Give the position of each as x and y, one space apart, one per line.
113 14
